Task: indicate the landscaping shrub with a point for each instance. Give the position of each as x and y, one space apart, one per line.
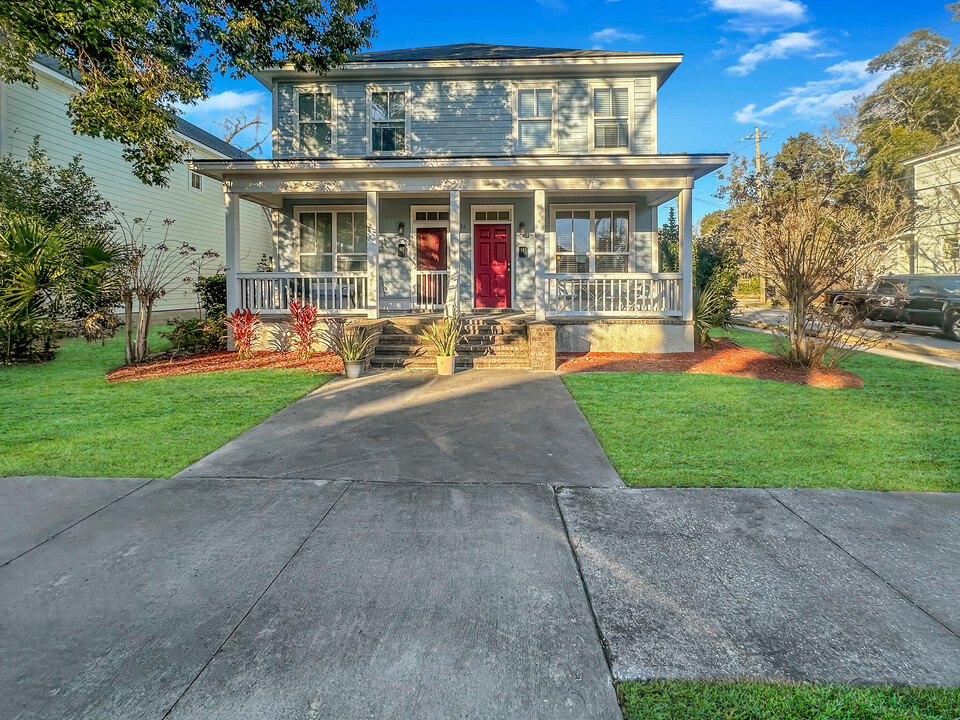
244 326
212 294
197 334
304 326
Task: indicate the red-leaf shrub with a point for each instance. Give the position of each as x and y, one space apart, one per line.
304 326
244 325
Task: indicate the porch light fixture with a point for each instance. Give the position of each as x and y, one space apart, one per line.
522 229
400 229
401 247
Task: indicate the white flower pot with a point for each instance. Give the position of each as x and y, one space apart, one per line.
445 364
353 369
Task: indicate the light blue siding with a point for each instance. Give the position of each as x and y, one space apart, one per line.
463 117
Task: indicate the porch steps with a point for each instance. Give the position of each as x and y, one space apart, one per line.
493 341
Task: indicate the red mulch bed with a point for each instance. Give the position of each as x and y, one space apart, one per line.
725 358
223 360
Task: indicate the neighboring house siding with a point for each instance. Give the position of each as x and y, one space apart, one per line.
198 216
466 117
937 232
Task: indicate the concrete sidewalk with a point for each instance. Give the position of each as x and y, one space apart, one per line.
486 426
294 600
802 585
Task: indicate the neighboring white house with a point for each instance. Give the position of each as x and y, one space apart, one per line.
475 177
194 202
935 244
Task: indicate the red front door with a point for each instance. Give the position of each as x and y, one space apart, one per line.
491 271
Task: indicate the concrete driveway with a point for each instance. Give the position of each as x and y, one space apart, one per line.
499 426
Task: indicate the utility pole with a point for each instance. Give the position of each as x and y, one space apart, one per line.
757 137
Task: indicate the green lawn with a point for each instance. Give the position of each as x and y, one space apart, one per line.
750 701
900 432
64 418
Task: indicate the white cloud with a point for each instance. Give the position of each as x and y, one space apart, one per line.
226 102
555 5
782 47
608 36
846 81
778 10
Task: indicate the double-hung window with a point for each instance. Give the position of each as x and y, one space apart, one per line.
315 127
333 240
611 118
950 247
592 241
388 121
535 119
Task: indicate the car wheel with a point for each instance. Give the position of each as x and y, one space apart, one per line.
847 317
953 327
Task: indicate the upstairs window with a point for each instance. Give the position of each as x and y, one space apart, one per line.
534 119
951 248
592 241
315 123
388 115
611 118
196 182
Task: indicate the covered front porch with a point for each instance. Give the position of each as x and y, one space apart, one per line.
416 237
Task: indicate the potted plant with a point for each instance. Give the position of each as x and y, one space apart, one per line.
352 346
445 335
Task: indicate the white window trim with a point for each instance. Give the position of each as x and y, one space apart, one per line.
591 130
474 209
554 86
330 90
190 175
407 140
334 209
605 207
944 239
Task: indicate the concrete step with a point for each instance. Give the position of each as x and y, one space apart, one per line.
462 362
473 339
471 351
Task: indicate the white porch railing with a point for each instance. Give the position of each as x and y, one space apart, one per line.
431 289
332 293
654 294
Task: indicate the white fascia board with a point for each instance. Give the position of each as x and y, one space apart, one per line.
663 65
943 152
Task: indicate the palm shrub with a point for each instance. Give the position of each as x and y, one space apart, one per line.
445 334
304 326
710 309
349 344
50 276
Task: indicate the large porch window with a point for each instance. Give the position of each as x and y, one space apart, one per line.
333 240
592 240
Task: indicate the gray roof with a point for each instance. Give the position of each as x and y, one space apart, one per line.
479 51
187 129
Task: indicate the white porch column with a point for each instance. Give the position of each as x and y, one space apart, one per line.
685 213
453 287
231 202
373 256
540 253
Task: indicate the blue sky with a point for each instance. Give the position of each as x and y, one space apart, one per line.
783 64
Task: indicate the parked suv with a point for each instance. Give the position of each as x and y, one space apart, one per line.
931 301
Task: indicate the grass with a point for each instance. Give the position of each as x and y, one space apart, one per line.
900 432
754 701
63 418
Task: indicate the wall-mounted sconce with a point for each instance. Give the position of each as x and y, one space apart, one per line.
401 247
522 229
400 229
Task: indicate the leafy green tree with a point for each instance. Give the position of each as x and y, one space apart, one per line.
669 236
136 60
917 107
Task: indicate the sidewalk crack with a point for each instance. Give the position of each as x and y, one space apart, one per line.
255 603
861 563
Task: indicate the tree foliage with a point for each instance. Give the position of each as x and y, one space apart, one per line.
814 219
136 61
916 108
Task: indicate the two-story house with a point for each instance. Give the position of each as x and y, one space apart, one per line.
475 177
